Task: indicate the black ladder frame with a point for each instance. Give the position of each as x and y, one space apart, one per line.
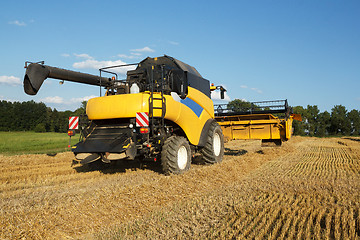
159 88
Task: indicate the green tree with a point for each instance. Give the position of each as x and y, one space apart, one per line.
30 116
36 114
54 120
300 127
21 116
354 118
40 128
81 110
323 124
6 116
312 114
339 123
48 122
64 120
238 105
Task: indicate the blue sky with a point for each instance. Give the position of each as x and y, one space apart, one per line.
305 51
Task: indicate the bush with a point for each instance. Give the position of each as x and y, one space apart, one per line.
40 128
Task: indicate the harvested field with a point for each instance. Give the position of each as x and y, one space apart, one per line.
308 188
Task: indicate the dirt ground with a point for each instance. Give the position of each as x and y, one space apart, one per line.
308 188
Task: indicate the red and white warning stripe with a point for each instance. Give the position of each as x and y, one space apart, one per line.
142 119
73 122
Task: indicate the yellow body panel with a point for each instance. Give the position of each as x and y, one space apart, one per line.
201 99
255 126
117 106
127 105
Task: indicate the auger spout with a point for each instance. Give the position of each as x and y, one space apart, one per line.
37 73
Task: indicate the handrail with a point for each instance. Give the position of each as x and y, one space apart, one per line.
263 107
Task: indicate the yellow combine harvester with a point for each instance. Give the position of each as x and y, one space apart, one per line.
257 121
161 111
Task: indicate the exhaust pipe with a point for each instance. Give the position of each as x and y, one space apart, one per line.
36 74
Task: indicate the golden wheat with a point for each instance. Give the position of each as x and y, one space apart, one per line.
309 192
308 188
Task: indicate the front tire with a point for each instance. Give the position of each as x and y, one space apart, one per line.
213 151
176 155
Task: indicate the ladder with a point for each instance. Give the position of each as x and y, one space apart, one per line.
155 102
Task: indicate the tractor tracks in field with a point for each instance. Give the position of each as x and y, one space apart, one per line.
311 194
40 194
309 191
307 188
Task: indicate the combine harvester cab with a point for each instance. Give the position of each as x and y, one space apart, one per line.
270 121
161 111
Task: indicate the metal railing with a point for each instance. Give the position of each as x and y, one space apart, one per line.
115 78
264 107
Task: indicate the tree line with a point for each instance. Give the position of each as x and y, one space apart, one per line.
339 121
33 116
315 123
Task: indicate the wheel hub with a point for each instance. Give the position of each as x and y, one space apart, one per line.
217 144
182 157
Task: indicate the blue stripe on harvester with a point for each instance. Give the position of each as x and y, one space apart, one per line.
196 108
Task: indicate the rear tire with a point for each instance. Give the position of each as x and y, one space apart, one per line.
213 151
176 155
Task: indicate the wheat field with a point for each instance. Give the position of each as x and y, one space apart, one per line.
306 189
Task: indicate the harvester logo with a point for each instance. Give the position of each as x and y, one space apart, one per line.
73 122
142 119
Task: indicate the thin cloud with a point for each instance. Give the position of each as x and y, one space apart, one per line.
54 99
83 55
81 99
256 90
136 53
10 80
144 49
18 23
61 100
65 55
95 64
132 56
174 43
125 56
252 88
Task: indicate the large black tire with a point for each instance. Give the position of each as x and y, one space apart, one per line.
213 151
176 155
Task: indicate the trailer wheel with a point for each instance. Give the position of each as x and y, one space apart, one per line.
213 151
176 155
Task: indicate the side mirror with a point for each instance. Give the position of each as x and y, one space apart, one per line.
222 92
183 87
